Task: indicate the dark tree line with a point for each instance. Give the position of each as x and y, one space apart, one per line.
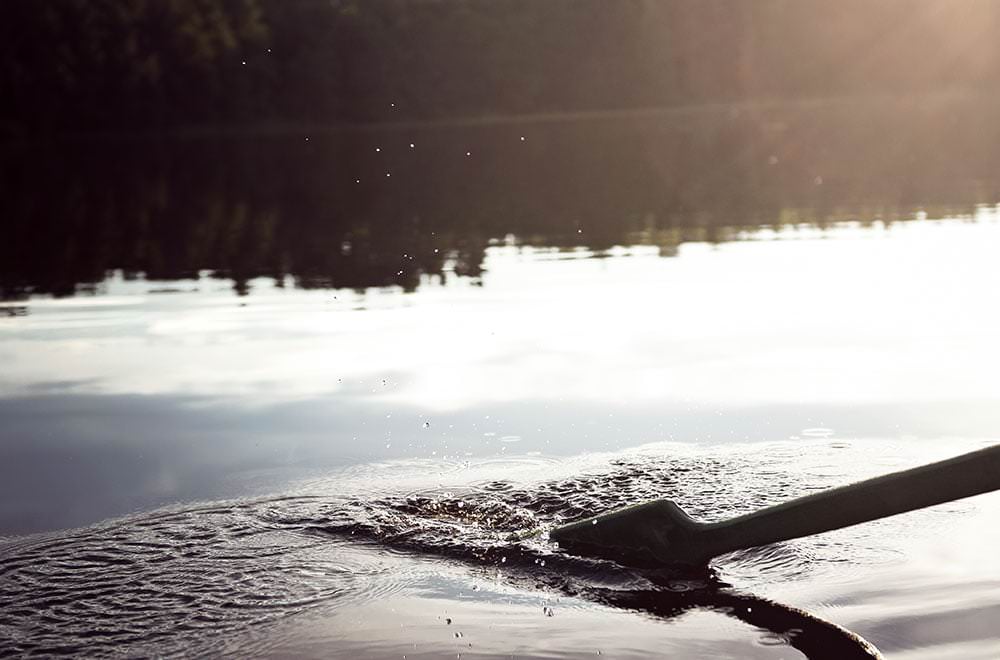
105 64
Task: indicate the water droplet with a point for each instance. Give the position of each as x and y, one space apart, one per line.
468 153
378 149
427 425
593 522
412 145
522 138
387 174
503 560
244 62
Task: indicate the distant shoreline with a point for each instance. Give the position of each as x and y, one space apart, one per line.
292 128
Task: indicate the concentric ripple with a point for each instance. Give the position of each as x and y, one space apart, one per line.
149 583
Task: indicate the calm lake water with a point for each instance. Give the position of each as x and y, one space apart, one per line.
291 396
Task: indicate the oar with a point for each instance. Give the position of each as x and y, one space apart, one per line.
659 532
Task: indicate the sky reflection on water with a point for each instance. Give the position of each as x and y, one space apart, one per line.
131 398
287 393
796 360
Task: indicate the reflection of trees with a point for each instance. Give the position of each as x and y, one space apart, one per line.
324 211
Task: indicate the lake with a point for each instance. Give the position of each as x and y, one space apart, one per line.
290 394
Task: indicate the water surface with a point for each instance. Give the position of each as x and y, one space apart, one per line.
251 406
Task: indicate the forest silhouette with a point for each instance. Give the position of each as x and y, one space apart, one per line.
150 65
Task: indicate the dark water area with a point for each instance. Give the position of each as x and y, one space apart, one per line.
309 392
383 207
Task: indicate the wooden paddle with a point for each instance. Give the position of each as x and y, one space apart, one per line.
659 532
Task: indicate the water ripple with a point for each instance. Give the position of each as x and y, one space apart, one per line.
135 586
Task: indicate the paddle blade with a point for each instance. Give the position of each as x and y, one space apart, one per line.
648 535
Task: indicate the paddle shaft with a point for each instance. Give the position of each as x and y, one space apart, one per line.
963 476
